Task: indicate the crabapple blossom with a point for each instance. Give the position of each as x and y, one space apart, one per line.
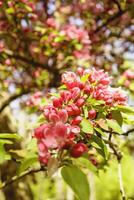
64 115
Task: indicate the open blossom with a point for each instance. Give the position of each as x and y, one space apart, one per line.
62 129
44 154
69 77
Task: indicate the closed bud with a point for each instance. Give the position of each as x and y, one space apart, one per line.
76 120
92 114
78 150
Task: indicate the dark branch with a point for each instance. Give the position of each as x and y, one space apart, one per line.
116 152
111 19
54 83
16 178
12 98
125 133
30 61
118 5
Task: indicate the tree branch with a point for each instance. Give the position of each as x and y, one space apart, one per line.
116 152
111 19
12 98
125 133
16 178
30 61
118 5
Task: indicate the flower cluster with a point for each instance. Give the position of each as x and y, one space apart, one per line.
127 79
63 127
96 85
35 99
78 38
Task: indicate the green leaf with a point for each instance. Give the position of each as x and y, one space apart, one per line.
31 158
102 123
10 136
86 163
131 86
95 102
85 112
113 124
44 102
117 116
100 146
84 78
32 146
78 46
5 141
28 8
77 180
10 10
18 154
59 38
3 154
62 87
128 118
55 95
87 126
126 109
28 162
100 131
41 119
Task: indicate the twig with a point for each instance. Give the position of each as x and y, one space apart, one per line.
116 152
121 181
16 178
118 155
125 133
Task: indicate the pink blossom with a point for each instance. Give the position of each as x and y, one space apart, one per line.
62 129
63 115
51 22
44 154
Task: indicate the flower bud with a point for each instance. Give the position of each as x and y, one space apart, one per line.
78 150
